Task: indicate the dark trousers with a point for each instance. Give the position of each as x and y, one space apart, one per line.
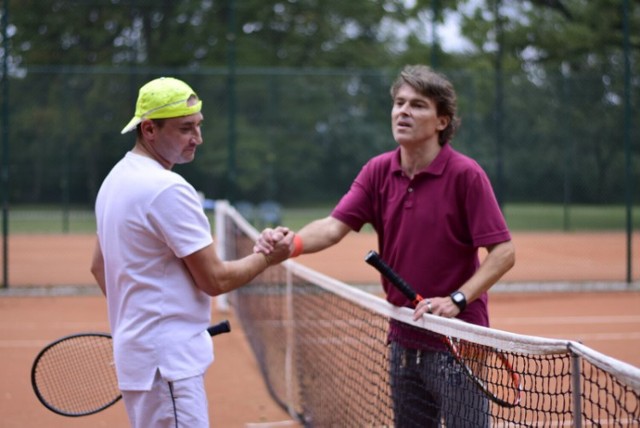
430 388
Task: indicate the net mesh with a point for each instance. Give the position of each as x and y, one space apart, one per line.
323 349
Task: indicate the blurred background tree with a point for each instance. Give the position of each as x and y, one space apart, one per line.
296 91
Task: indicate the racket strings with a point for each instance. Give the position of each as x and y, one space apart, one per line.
492 370
77 375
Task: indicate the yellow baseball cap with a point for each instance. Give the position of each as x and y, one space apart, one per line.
163 98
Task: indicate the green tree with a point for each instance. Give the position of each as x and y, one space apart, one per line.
311 91
565 57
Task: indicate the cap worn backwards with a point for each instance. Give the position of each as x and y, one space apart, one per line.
163 98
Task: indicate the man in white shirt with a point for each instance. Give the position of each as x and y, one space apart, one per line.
155 261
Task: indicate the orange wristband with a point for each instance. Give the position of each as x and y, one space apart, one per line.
297 246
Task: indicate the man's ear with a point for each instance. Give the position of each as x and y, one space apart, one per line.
147 128
443 122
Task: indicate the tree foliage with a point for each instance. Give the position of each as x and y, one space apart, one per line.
303 87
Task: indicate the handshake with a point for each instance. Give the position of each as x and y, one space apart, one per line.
278 244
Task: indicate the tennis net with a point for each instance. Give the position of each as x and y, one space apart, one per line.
322 347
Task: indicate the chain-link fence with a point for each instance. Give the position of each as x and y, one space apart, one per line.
299 137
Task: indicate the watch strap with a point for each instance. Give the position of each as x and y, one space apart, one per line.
459 299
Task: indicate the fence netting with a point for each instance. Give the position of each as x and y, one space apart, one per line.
277 133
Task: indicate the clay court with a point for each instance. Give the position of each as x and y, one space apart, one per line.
564 285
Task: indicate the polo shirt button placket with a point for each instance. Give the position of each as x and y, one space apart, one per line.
409 199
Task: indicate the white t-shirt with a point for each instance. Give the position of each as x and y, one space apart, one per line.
148 218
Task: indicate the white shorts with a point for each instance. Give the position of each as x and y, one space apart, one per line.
178 404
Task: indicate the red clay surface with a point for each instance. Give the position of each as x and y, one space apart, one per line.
551 256
606 321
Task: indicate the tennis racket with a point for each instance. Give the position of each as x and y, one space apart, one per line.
76 375
487 367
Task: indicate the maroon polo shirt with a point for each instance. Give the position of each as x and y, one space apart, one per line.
430 227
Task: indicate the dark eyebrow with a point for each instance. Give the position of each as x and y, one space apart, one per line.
413 100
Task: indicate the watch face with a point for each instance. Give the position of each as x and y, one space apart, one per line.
459 299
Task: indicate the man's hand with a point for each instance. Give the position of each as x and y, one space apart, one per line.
280 241
274 240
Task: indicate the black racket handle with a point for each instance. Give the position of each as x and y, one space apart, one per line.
376 261
221 327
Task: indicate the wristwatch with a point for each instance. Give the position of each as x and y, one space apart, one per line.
459 300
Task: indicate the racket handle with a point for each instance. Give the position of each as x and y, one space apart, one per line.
221 327
376 261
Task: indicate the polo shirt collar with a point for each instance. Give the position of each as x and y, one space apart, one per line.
435 168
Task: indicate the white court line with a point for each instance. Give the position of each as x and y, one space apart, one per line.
600 422
597 336
612 336
609 320
45 325
600 319
18 344
279 424
602 337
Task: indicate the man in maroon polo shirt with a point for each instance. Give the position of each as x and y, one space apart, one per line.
432 209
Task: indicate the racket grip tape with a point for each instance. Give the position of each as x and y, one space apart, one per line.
376 261
221 327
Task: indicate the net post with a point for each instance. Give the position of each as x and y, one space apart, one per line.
289 357
4 166
221 208
576 389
